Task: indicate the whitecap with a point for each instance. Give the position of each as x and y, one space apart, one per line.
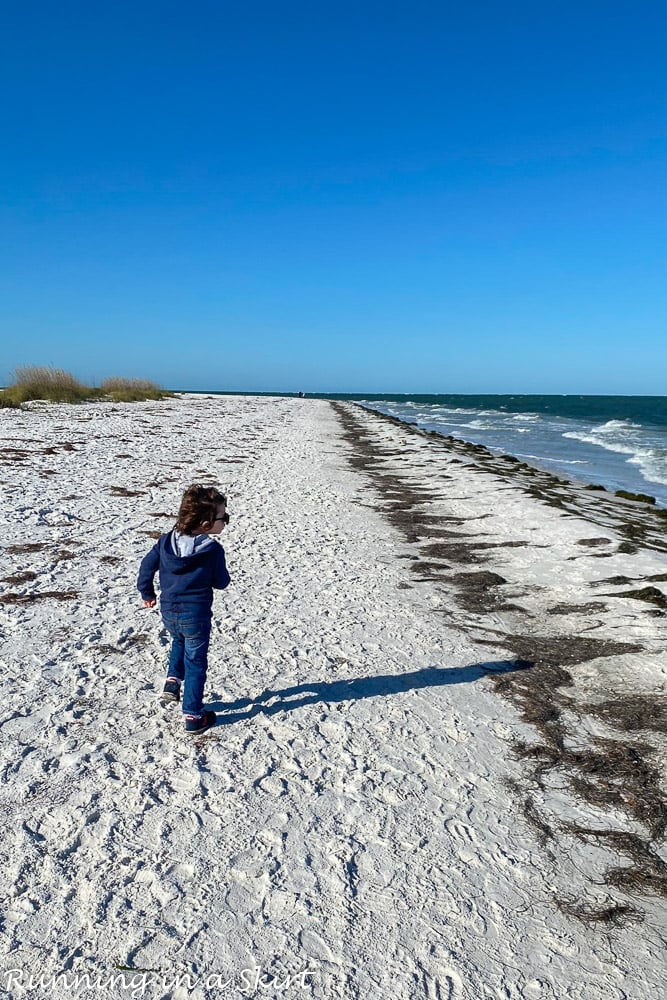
622 449
652 464
616 425
557 461
481 425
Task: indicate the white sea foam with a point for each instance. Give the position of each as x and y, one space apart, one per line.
652 464
617 446
618 453
458 409
631 440
557 461
612 426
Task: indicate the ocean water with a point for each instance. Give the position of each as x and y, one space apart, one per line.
617 441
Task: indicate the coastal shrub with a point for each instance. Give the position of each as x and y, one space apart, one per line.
59 386
131 390
37 382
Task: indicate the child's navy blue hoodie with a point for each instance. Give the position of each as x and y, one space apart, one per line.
187 578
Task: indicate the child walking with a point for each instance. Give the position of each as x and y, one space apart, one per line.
191 565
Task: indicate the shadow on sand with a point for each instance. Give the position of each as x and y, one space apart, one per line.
309 693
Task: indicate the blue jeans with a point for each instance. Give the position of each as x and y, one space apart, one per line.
190 629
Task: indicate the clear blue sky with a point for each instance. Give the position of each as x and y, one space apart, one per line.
354 196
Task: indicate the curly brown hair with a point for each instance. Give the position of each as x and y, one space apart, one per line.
198 506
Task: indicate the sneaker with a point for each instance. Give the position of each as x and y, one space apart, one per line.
171 693
194 724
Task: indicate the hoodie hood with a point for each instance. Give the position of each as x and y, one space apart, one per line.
189 545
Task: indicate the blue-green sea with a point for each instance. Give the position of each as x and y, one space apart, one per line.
617 441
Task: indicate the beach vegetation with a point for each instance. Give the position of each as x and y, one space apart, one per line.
131 390
39 382
54 385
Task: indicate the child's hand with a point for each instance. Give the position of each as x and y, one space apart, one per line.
150 604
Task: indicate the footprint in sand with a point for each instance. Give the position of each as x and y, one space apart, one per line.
272 785
315 947
462 835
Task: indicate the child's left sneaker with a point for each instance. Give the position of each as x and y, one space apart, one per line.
199 723
171 693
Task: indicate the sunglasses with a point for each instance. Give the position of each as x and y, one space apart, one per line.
224 518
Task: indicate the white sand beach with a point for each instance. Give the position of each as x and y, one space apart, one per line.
389 805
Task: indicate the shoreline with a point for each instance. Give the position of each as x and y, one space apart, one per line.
590 691
540 465
390 791
628 504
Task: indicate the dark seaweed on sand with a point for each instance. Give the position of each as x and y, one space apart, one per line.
40 595
616 773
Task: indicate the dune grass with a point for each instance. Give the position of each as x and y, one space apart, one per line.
130 390
35 382
58 386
